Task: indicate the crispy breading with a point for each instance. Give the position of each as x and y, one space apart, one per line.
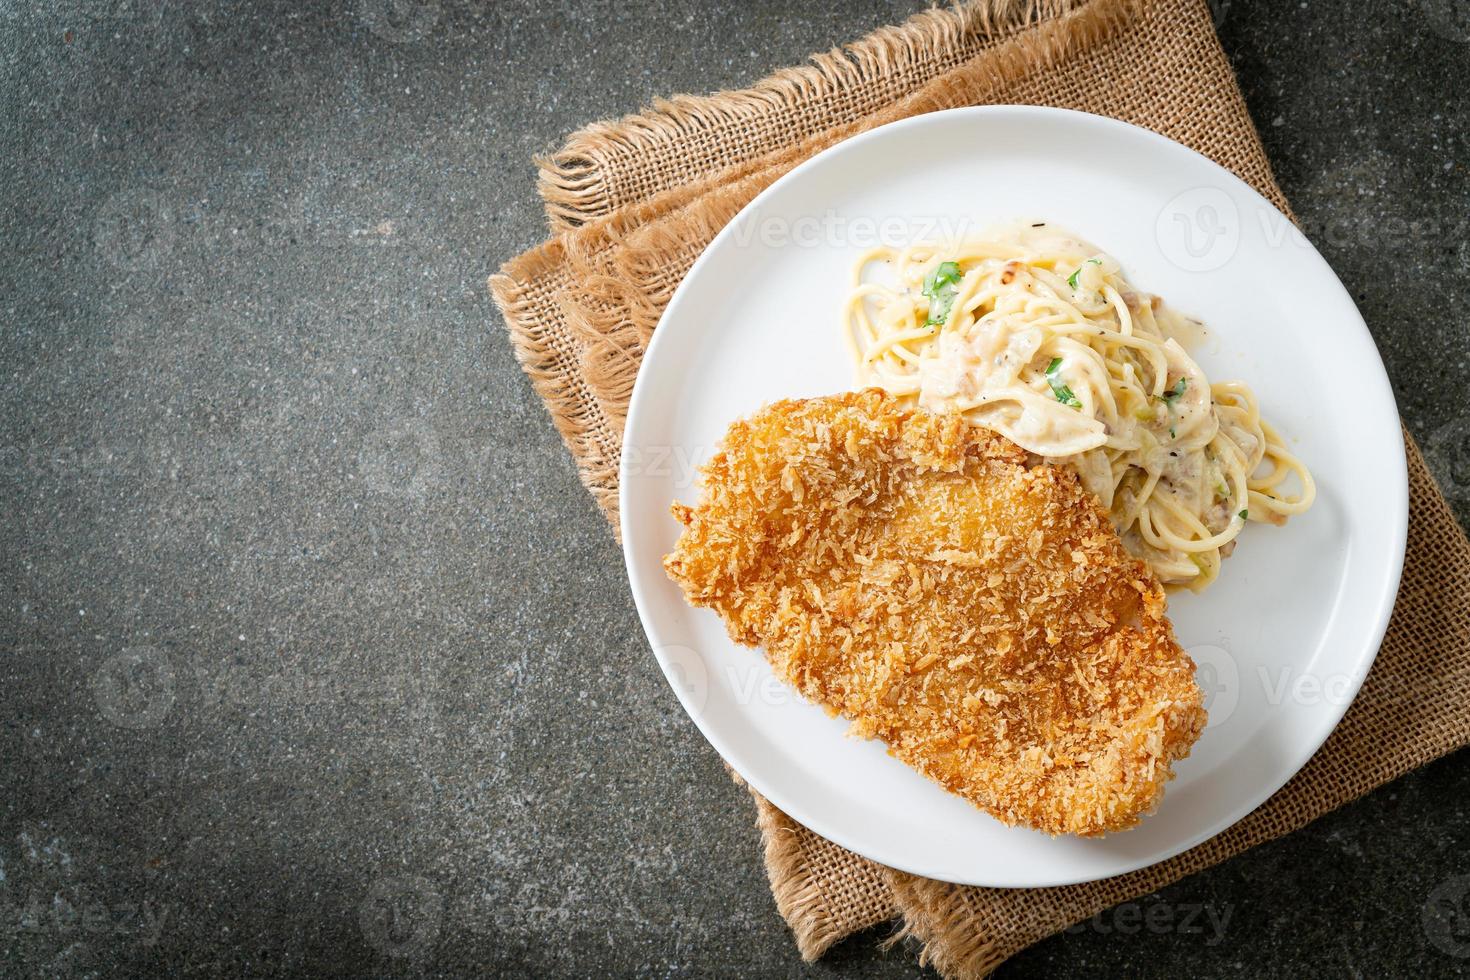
977 613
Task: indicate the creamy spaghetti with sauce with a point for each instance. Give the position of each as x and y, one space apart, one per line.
1035 334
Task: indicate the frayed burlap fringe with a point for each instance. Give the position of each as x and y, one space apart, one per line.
647 194
609 165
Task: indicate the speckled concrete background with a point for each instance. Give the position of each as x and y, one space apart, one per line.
315 657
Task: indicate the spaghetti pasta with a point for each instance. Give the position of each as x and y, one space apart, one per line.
1036 334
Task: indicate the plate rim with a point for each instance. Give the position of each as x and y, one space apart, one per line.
1398 508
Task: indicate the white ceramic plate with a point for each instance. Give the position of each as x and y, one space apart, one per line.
1283 639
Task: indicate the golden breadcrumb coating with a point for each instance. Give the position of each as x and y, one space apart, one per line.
912 573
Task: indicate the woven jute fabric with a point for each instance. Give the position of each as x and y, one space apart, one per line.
633 202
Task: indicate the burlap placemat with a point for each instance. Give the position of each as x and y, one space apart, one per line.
635 201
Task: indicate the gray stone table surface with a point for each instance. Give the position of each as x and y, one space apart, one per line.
314 655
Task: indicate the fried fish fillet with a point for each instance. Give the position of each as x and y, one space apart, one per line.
914 574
